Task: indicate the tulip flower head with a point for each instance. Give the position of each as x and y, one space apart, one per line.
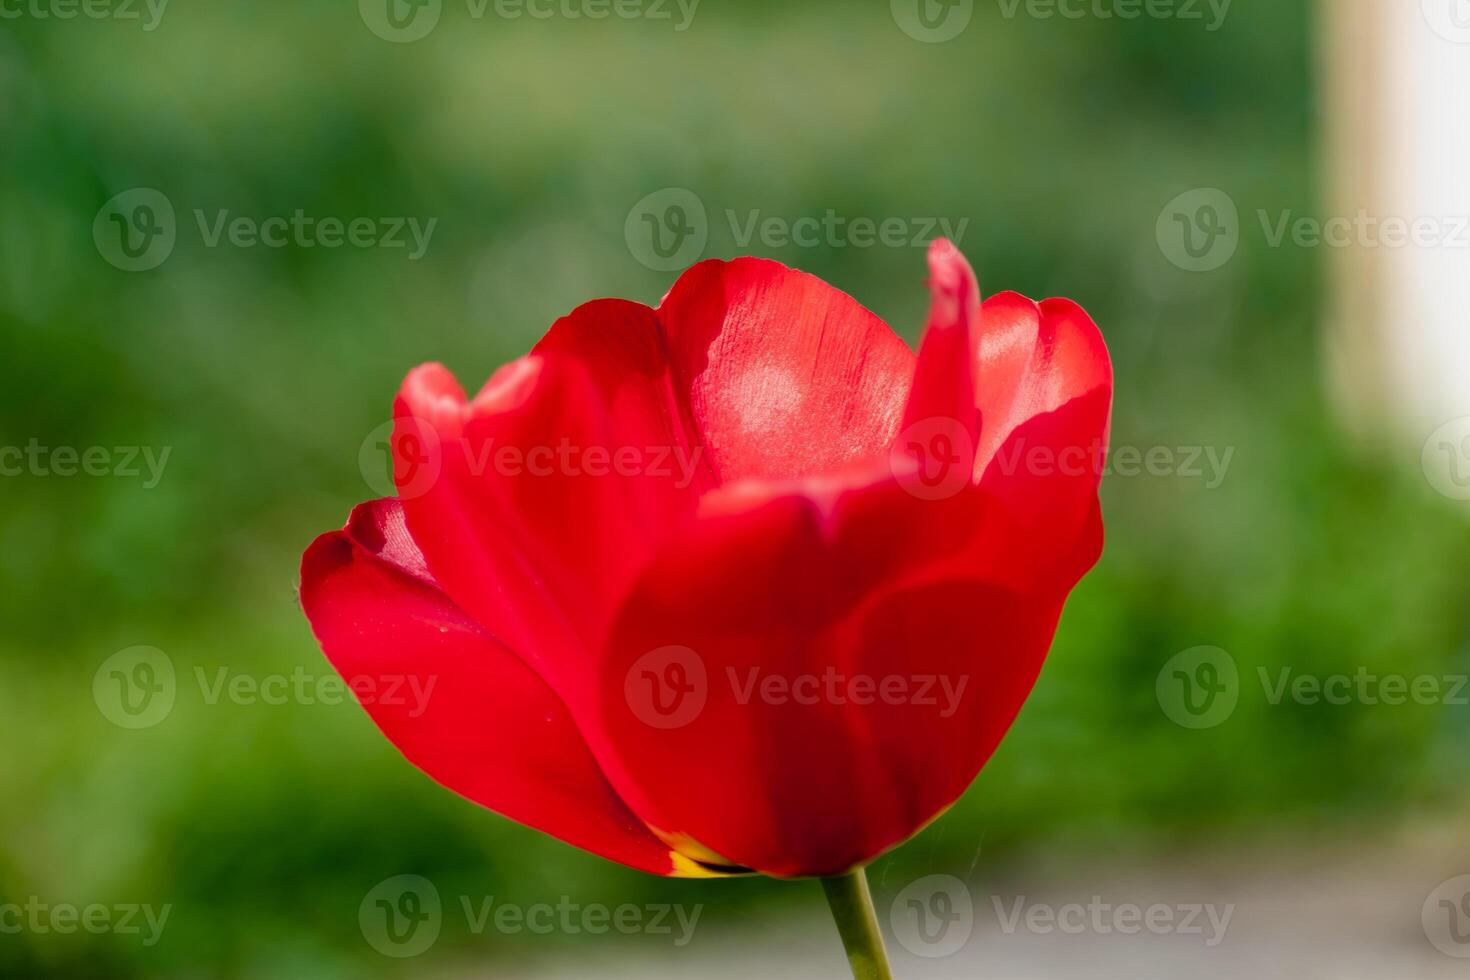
735 584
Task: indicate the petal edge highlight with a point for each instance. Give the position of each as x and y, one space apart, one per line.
482 723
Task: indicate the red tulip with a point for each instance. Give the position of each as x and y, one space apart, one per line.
737 583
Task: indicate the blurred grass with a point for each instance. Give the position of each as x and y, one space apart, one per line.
264 370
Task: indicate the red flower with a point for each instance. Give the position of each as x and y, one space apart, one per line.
736 583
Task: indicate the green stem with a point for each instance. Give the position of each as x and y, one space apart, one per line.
852 907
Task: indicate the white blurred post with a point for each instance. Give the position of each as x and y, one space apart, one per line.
1396 99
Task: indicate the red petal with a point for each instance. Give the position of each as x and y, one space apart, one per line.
747 367
773 374
786 376
1035 358
455 703
555 482
872 575
1041 380
1046 408
780 589
944 379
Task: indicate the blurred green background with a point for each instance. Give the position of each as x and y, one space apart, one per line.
265 369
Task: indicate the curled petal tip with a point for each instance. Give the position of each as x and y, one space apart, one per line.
433 381
511 385
942 250
944 377
432 394
950 277
432 388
